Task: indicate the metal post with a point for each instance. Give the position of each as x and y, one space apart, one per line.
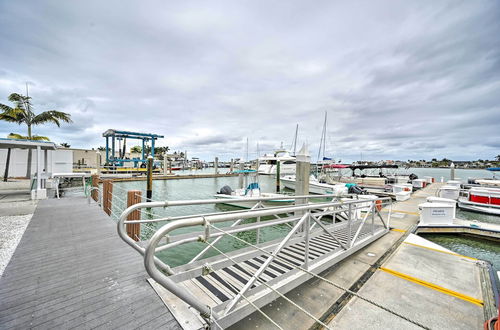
349 222
98 162
38 169
373 216
240 175
142 150
216 165
149 189
113 148
134 230
107 196
45 161
307 225
153 147
107 149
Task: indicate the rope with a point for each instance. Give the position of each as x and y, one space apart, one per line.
328 281
273 289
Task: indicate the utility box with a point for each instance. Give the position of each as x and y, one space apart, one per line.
402 187
403 195
419 183
449 192
436 214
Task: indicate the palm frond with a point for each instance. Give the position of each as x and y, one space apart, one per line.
23 137
5 107
39 138
17 136
51 116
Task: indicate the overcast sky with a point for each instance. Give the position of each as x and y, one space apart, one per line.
399 79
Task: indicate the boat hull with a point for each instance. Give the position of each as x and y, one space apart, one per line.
479 207
240 201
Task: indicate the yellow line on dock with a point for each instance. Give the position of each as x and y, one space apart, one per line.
433 286
437 250
399 230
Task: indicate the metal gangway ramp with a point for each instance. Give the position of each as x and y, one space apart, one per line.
220 290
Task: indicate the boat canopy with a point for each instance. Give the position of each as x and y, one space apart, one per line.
494 169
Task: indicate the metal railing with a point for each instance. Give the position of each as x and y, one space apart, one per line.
347 225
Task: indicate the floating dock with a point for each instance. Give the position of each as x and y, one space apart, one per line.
71 270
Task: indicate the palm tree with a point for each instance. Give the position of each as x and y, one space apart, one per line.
22 113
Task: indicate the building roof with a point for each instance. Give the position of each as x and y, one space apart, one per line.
26 144
131 135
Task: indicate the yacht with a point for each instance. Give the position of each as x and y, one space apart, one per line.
268 164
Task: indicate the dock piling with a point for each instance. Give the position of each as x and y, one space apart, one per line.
134 230
278 175
107 195
95 184
452 171
216 165
149 189
302 169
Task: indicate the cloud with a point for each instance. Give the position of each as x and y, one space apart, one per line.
398 79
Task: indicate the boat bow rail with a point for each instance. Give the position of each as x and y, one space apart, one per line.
225 288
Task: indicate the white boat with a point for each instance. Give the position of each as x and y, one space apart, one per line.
315 187
268 164
483 200
237 197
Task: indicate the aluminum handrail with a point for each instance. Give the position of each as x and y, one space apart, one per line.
150 260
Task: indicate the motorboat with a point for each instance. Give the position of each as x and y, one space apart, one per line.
238 197
315 186
481 199
268 164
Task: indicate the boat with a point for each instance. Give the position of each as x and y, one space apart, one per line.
481 199
237 197
268 164
315 187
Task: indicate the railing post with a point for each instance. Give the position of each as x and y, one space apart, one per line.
307 226
134 230
107 195
95 183
349 222
373 216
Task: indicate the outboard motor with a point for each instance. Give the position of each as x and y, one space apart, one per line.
357 190
226 190
413 176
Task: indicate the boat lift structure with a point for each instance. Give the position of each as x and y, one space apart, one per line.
115 135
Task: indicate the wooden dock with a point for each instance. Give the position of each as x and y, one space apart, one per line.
71 270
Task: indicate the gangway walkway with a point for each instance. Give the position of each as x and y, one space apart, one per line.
221 290
71 270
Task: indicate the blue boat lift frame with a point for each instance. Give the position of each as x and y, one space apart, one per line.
120 135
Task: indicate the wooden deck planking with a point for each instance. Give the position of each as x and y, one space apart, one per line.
71 270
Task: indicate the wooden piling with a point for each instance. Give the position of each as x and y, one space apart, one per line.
95 184
278 174
107 195
216 165
134 230
149 188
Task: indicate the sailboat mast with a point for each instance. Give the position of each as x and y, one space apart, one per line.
321 145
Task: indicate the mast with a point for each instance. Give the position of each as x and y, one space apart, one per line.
321 144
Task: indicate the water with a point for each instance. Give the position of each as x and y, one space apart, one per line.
188 189
469 246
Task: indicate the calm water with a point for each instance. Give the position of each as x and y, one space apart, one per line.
188 189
